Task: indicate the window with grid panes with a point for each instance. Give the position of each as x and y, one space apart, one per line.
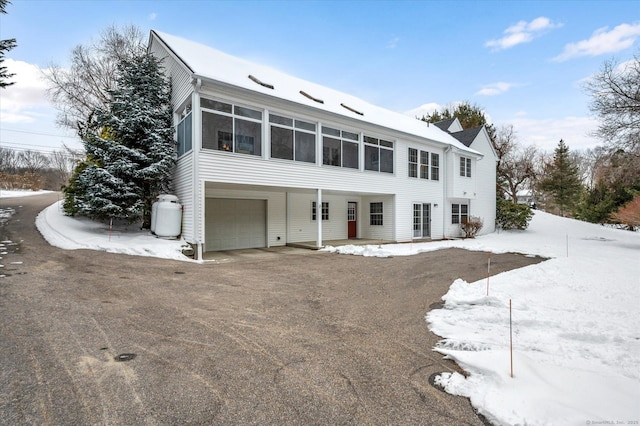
413 162
375 214
231 128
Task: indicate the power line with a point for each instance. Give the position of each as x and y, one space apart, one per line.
25 144
38 133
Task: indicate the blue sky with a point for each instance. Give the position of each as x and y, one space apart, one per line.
523 62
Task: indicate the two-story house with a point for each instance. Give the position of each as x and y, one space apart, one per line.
267 159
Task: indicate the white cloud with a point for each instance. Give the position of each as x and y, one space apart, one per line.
153 16
28 95
495 88
546 133
431 107
522 32
393 43
602 41
423 110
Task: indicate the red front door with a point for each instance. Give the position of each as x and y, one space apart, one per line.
352 222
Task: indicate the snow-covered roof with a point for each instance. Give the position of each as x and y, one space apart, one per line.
211 64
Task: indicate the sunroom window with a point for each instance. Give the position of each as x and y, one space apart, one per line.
378 155
184 133
292 139
340 148
231 128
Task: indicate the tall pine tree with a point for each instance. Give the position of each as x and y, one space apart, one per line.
129 145
562 179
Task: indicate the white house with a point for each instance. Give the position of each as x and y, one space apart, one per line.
267 159
483 186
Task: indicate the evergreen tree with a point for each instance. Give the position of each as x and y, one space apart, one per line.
5 46
561 179
129 145
469 115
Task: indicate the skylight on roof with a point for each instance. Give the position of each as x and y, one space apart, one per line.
261 83
351 109
303 93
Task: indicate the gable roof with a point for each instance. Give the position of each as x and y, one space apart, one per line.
445 124
468 136
210 64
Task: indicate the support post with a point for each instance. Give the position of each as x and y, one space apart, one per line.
319 217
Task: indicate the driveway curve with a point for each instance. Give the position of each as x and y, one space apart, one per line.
303 338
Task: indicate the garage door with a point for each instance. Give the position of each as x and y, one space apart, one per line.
235 224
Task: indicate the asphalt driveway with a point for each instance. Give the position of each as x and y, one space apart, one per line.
297 338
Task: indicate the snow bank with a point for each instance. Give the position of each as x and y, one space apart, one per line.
576 328
72 233
16 193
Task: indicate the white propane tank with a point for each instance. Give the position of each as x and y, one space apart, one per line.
154 213
168 216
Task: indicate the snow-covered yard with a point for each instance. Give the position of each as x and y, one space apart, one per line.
576 322
73 233
576 325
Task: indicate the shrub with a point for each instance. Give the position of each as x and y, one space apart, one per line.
471 226
510 215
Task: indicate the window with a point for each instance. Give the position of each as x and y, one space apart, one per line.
340 148
184 135
459 213
292 139
378 155
421 220
465 166
424 165
375 214
413 162
232 128
325 210
421 163
435 166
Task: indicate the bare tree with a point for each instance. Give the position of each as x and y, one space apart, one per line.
516 164
8 160
33 161
615 93
85 86
61 164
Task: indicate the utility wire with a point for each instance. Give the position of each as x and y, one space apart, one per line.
37 133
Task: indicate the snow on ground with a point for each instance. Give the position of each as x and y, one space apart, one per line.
575 325
72 233
575 317
18 193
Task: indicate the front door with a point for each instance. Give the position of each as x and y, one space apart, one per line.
352 222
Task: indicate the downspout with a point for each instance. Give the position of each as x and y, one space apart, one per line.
197 143
445 178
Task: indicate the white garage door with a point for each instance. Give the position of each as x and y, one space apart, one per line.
235 224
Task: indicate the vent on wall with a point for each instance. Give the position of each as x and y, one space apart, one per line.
303 93
261 83
351 109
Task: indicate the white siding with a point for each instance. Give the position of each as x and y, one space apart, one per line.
484 205
183 188
180 76
303 228
386 231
